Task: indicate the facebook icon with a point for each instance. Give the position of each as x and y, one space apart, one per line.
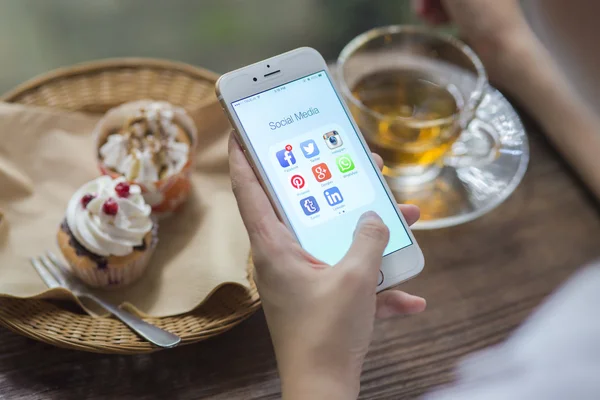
286 158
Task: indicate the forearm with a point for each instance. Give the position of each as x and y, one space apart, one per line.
531 76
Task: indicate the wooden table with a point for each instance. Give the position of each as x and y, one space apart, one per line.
481 280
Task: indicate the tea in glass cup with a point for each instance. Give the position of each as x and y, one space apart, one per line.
408 94
413 92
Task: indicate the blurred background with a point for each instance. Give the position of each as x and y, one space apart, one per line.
39 35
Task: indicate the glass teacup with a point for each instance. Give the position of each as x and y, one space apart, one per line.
414 93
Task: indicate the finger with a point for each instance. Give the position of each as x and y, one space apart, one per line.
378 160
370 239
432 11
394 302
418 7
438 17
255 208
411 213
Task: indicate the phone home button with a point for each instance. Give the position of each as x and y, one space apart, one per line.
380 278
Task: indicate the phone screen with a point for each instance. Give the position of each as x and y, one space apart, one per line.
317 165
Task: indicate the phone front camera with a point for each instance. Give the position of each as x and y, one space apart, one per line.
254 79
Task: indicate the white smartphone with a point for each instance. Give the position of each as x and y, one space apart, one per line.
313 162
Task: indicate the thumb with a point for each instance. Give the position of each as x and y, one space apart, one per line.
370 239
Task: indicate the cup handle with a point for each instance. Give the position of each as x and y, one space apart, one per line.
477 146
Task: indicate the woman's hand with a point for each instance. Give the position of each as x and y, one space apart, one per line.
496 30
320 317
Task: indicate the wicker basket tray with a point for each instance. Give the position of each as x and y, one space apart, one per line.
96 87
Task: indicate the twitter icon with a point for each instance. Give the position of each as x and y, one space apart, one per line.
309 148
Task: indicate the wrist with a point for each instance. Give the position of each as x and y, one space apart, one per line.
506 56
309 373
317 384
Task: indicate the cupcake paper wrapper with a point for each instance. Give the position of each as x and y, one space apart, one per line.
113 277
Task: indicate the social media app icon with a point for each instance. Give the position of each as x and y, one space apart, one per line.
321 172
333 196
309 205
333 139
344 163
309 148
286 157
297 181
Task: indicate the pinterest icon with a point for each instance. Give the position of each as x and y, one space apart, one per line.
297 181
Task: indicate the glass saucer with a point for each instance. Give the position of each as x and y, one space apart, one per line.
459 195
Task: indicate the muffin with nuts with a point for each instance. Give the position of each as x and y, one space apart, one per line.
151 144
108 235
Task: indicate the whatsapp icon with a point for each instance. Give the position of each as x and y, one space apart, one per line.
344 163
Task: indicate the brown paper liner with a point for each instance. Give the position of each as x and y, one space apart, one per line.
197 268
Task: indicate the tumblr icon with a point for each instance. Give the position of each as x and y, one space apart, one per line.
309 205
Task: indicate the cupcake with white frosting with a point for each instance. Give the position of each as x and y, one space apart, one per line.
151 144
108 235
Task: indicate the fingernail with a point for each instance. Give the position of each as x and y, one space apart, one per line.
369 215
418 305
418 6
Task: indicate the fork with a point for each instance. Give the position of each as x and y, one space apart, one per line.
54 274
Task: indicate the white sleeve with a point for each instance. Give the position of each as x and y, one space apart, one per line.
554 355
